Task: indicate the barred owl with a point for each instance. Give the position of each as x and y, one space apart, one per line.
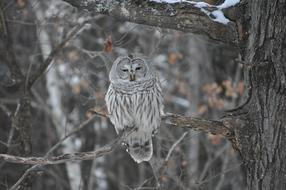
134 99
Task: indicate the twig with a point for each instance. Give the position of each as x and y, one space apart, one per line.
50 151
81 126
27 172
9 56
51 56
166 161
221 173
210 162
174 146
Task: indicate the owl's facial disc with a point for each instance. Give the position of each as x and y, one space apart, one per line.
132 70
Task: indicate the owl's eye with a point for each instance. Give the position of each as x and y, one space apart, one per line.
124 70
138 68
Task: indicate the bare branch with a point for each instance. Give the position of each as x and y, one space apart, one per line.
27 172
179 16
222 127
208 126
81 126
174 146
8 54
60 159
164 165
51 56
67 157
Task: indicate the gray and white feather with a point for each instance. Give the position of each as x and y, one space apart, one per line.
134 99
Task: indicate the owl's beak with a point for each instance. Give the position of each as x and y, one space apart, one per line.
132 77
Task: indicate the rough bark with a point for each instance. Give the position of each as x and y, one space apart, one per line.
262 137
179 16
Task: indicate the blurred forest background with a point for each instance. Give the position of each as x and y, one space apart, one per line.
199 78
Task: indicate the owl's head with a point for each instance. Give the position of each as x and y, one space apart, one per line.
130 69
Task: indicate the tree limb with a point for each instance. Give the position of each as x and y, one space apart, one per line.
208 126
224 127
7 53
51 56
67 157
178 16
27 172
59 159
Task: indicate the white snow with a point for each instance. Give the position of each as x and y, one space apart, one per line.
218 14
201 4
219 17
228 3
168 1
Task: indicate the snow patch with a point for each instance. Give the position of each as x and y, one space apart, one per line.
216 15
228 3
201 4
219 17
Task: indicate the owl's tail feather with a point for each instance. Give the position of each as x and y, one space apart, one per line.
140 146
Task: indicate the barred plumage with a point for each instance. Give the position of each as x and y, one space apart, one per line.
134 99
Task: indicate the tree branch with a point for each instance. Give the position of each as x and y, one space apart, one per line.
7 53
208 126
179 16
27 172
165 163
224 127
51 56
67 157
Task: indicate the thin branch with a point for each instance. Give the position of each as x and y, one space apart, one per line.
27 172
51 150
53 53
174 146
67 157
166 161
81 126
8 54
180 16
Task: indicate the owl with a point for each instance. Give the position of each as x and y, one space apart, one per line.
134 99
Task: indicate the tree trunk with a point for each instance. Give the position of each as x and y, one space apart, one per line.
262 137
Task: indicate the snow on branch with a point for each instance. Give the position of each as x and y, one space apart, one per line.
198 18
213 12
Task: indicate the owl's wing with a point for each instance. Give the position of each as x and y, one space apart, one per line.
118 108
